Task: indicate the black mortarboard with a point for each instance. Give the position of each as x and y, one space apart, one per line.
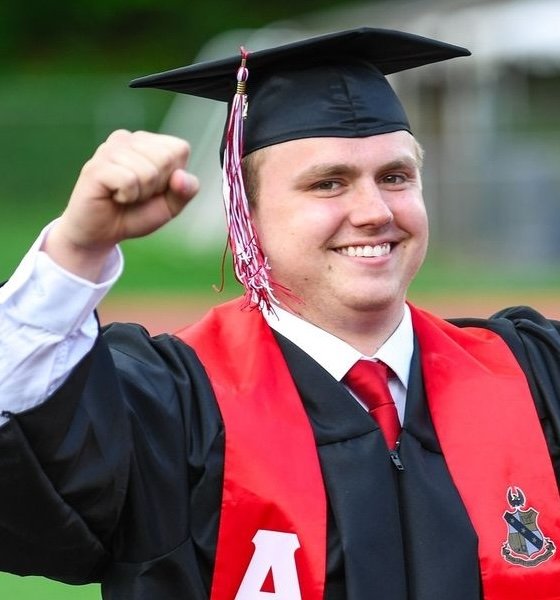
330 85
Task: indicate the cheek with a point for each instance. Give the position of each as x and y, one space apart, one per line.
296 228
277 237
412 217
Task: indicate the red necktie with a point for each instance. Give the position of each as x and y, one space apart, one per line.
368 380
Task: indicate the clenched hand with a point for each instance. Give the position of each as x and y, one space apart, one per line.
133 184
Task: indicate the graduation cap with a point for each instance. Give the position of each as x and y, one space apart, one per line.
331 85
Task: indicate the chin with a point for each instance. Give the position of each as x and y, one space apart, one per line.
376 302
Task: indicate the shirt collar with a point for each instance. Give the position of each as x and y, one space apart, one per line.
337 356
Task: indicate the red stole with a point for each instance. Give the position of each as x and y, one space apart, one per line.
272 477
484 417
491 438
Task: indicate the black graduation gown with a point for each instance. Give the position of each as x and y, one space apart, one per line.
117 477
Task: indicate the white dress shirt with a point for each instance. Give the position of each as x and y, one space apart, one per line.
338 357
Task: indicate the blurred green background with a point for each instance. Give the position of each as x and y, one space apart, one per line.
65 68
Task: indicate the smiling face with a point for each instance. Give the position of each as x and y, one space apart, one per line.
343 224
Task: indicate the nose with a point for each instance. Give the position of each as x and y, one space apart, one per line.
369 207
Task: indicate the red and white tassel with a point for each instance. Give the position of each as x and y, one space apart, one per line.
250 265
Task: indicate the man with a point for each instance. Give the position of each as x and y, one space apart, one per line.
232 460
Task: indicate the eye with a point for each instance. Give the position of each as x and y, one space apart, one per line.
394 178
328 185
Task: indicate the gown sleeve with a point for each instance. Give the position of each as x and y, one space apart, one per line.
107 469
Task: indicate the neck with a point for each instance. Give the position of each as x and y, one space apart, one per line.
366 331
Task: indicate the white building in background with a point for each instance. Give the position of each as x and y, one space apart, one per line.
490 123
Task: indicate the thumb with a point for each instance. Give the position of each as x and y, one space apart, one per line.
182 187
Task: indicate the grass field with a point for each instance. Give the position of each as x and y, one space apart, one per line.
38 588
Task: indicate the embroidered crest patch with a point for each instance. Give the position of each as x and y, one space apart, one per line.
526 545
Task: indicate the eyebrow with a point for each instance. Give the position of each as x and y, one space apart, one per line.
326 170
408 162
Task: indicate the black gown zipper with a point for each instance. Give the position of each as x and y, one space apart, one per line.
394 454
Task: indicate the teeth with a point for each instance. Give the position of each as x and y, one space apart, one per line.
369 251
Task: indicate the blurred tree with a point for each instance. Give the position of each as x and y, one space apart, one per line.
36 31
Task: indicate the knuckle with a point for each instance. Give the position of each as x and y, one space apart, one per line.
169 159
119 134
115 139
88 167
183 146
129 180
151 176
182 149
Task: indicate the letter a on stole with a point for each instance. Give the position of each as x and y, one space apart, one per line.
274 553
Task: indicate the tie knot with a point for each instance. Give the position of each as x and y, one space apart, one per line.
368 379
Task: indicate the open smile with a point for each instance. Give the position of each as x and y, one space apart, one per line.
366 251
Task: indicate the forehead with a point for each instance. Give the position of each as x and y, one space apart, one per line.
298 155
